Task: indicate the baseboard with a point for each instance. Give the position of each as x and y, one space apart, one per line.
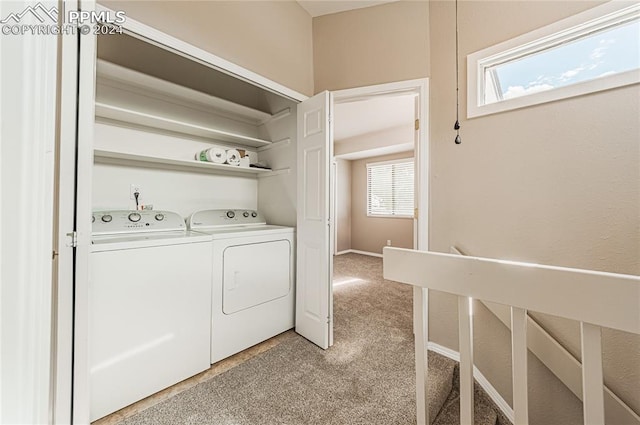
355 251
346 251
479 377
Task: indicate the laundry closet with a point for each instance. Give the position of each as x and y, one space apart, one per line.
193 249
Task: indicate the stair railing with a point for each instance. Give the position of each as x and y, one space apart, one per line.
595 299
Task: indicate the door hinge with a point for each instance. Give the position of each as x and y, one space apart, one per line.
417 124
330 118
74 239
415 213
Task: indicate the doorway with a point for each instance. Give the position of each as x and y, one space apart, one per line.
402 134
383 97
374 146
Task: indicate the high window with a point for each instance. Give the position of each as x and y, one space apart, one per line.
593 51
390 188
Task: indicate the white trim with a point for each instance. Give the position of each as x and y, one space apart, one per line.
540 40
346 251
397 88
154 36
355 251
495 396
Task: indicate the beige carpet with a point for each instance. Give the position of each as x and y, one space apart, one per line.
367 377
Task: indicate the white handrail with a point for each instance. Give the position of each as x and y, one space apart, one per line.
570 293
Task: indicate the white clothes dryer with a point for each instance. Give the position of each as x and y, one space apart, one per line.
253 297
149 306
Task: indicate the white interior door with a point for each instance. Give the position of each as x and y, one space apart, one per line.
314 294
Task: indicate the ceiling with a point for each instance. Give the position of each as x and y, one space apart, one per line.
327 7
372 115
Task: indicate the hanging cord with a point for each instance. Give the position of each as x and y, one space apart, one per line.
456 126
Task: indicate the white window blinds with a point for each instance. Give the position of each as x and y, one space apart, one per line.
390 188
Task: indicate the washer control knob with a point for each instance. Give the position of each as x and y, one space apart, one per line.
254 214
230 214
159 217
245 214
135 217
107 218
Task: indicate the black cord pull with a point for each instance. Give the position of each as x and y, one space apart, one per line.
456 126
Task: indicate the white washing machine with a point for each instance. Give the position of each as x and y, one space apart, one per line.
253 278
149 306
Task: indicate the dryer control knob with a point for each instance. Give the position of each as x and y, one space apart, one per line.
245 214
254 214
159 217
231 214
107 218
135 217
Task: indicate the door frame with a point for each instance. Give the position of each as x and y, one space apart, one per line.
419 87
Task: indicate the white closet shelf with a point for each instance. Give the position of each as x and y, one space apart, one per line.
101 155
130 116
127 79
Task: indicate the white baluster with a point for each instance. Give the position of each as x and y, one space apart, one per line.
519 368
465 335
592 384
421 332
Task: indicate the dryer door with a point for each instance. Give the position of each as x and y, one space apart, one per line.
254 274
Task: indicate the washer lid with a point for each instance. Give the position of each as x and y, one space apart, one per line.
146 240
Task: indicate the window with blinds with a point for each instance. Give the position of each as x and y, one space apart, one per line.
390 188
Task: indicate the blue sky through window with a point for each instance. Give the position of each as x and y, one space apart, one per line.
604 53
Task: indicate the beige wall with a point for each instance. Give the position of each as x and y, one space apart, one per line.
369 46
271 38
554 184
370 234
343 205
